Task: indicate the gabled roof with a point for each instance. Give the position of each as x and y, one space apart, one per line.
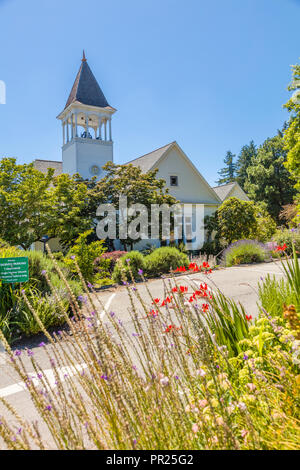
146 162
151 160
86 89
223 190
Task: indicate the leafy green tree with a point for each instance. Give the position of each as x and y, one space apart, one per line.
34 204
129 181
236 219
25 202
247 153
268 179
292 134
228 173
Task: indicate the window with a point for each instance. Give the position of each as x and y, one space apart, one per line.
173 180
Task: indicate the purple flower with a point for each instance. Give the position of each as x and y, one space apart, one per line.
44 272
29 352
245 357
140 271
72 257
176 377
90 286
39 376
18 352
48 407
134 442
112 314
104 377
128 260
135 334
42 344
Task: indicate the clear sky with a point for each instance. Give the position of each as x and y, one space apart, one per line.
210 74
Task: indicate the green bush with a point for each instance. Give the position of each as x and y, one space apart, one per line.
132 262
15 316
244 251
163 259
288 236
85 254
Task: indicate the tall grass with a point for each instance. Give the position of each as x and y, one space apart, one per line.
178 376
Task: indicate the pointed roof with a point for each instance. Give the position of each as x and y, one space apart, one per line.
146 162
224 190
86 89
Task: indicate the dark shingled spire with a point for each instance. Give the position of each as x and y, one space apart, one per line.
86 89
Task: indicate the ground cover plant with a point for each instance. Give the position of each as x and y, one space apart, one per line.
244 251
195 372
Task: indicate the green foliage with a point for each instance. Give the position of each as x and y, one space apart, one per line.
164 259
227 321
292 132
292 272
34 204
139 188
244 251
15 316
274 293
227 174
236 219
84 255
288 236
247 154
128 266
268 180
266 226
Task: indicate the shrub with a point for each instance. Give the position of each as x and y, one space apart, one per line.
131 263
113 256
236 219
15 315
244 251
164 259
85 254
288 236
212 247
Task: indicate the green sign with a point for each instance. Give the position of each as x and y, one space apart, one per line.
14 269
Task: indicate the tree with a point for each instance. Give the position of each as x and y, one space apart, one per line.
268 179
227 174
34 204
129 181
292 134
236 219
25 202
247 154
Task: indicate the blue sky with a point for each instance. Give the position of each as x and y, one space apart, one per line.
210 74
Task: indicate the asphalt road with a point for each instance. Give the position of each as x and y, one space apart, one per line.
240 283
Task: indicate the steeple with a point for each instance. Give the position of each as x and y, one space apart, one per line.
86 126
86 89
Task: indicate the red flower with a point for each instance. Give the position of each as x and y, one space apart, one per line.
156 301
205 307
172 328
281 248
183 289
174 289
248 317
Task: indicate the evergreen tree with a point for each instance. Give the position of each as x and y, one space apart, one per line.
247 153
268 180
227 174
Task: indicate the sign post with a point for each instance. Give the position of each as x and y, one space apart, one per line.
13 270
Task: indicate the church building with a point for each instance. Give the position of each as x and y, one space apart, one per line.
87 145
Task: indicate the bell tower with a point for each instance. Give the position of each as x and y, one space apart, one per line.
86 126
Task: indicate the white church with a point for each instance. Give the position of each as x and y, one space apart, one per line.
88 145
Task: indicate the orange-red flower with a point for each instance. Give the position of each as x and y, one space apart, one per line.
281 248
248 317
